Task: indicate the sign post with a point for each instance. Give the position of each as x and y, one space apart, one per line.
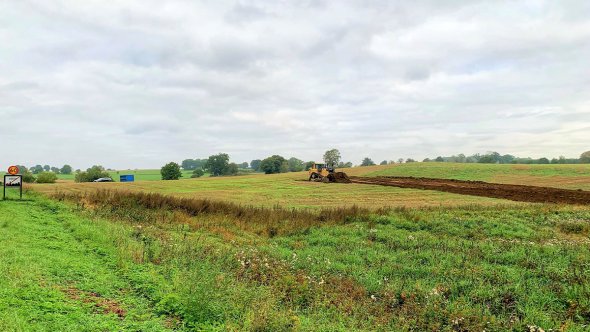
13 179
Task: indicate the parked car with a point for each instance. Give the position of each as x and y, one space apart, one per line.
103 180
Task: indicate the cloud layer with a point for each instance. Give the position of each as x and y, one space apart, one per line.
138 83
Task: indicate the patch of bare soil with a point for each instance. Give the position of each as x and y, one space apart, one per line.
520 193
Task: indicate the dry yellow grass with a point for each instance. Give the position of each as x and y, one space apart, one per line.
287 190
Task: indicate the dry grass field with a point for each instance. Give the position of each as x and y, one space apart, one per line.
286 190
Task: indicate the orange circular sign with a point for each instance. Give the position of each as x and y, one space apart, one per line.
13 170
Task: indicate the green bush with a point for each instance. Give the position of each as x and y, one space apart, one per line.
171 171
91 174
46 177
198 173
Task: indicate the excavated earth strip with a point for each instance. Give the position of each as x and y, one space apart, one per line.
513 192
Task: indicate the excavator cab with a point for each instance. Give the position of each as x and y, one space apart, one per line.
320 172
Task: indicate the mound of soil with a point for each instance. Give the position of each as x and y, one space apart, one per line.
513 192
339 177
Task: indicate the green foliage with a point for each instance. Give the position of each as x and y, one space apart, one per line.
66 169
232 169
91 174
28 177
46 177
171 171
274 164
218 164
367 162
347 164
309 165
36 169
192 164
244 165
332 157
198 173
384 162
47 168
255 164
295 165
585 157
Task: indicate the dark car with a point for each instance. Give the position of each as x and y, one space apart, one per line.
103 180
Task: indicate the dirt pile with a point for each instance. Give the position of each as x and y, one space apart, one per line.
339 177
513 192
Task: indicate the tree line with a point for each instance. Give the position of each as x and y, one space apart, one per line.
497 158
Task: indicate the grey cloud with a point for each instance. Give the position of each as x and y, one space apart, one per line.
146 82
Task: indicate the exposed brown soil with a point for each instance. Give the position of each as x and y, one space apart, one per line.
339 177
513 192
106 306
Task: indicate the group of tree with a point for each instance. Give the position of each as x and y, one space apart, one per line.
93 173
193 164
38 169
279 164
497 158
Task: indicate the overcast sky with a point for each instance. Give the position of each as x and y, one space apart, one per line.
139 83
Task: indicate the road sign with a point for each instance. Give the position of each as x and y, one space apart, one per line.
12 181
13 170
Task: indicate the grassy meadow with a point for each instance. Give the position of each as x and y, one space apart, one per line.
561 176
231 253
291 190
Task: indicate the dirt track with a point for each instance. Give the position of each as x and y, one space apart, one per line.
477 188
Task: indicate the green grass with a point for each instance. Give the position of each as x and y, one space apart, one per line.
140 175
59 273
469 268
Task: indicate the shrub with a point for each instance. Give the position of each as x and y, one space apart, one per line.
46 177
198 173
91 174
171 171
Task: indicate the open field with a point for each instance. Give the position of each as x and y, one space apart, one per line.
561 176
291 189
228 253
122 261
287 190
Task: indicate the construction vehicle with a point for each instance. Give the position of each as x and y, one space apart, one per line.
320 172
326 174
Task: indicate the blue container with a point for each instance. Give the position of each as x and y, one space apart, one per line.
127 178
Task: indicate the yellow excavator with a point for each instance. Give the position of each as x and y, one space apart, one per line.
320 172
326 174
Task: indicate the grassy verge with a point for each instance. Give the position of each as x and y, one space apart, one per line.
462 269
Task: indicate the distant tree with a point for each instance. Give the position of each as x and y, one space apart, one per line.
295 165
55 170
46 177
27 175
410 160
439 159
332 157
46 168
218 164
66 169
426 160
36 169
171 171
273 164
232 169
198 173
543 161
91 174
244 164
584 158
384 162
255 164
367 162
309 165
400 161
188 164
347 164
